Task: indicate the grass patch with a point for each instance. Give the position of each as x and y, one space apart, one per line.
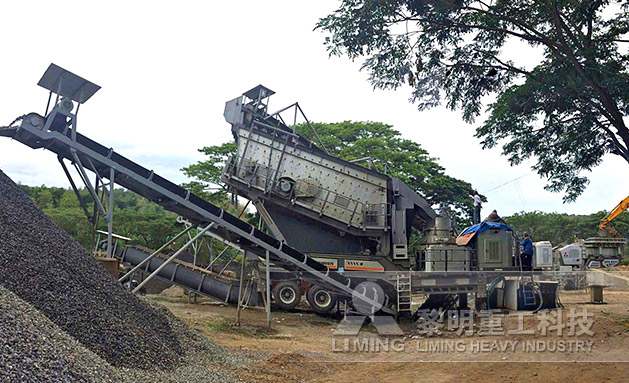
224 325
623 321
618 319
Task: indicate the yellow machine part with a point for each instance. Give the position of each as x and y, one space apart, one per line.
613 214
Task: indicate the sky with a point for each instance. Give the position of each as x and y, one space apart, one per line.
167 68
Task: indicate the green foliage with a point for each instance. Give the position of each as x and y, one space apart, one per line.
73 221
351 141
146 223
566 111
206 174
404 159
44 199
562 228
149 225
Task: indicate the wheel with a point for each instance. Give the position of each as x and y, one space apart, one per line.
374 292
287 295
321 300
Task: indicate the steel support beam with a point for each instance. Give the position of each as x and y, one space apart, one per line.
139 265
241 295
87 182
110 217
268 220
268 289
76 190
172 257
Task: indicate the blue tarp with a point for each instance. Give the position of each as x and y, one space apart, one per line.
484 226
466 235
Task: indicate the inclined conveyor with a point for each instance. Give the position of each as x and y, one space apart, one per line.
56 131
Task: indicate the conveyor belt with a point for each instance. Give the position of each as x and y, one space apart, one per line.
191 277
102 160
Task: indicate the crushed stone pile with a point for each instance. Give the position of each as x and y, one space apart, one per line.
34 349
42 265
173 291
63 318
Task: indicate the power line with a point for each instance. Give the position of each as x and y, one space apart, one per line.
508 182
520 194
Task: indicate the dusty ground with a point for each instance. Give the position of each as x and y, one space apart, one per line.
301 349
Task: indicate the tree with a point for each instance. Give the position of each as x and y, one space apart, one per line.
409 162
567 111
44 198
68 200
562 228
355 140
206 174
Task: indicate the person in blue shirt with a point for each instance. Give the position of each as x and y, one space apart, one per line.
526 258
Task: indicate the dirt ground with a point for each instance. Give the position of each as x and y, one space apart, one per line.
301 346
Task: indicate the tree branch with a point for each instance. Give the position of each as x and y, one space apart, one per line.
523 26
624 152
615 117
566 22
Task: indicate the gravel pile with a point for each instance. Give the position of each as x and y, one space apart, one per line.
205 361
63 318
34 349
41 264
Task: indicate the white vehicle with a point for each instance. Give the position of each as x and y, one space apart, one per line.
570 255
542 255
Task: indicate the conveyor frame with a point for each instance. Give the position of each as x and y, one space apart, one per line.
62 139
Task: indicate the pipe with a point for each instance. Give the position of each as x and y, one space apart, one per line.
172 258
152 255
182 274
268 289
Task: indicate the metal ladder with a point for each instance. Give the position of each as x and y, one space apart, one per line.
403 288
528 295
528 291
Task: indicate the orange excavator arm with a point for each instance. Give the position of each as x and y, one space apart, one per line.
613 214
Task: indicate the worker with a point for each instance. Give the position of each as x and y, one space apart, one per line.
494 217
526 258
477 206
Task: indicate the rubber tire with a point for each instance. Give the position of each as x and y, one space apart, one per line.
282 288
316 292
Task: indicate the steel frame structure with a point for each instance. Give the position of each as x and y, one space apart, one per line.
57 132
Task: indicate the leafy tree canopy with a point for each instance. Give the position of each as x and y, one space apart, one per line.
146 223
566 111
206 175
404 159
562 228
